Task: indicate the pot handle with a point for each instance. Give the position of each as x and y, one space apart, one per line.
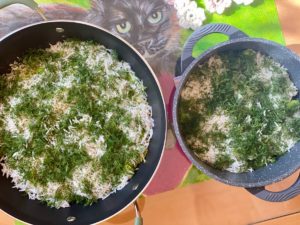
187 58
281 196
30 3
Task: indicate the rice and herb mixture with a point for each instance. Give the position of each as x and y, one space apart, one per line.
75 123
237 111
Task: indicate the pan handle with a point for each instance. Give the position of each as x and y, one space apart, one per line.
187 58
138 217
30 3
281 196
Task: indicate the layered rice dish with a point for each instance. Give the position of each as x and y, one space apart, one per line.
239 111
75 123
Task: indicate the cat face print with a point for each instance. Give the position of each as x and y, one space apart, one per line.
145 24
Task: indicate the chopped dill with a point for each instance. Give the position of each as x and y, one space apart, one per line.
249 117
73 122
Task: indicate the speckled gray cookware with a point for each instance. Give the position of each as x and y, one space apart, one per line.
255 181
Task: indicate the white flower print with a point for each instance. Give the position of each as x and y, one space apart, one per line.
189 14
179 4
245 2
181 7
195 17
217 6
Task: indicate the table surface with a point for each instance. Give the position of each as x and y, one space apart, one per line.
211 202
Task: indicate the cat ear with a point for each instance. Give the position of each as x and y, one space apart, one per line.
98 5
95 15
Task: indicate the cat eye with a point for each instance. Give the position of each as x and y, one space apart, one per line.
123 27
155 17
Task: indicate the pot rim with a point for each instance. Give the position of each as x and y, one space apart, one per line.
193 158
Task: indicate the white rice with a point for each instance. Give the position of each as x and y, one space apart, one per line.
220 121
95 148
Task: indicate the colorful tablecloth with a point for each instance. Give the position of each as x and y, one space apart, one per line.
160 43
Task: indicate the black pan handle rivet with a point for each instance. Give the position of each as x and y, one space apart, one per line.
134 187
71 219
59 30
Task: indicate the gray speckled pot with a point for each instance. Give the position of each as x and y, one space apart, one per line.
285 165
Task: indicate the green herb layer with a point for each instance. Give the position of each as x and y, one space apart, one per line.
73 122
237 111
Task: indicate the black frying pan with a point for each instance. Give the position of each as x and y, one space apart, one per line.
40 35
